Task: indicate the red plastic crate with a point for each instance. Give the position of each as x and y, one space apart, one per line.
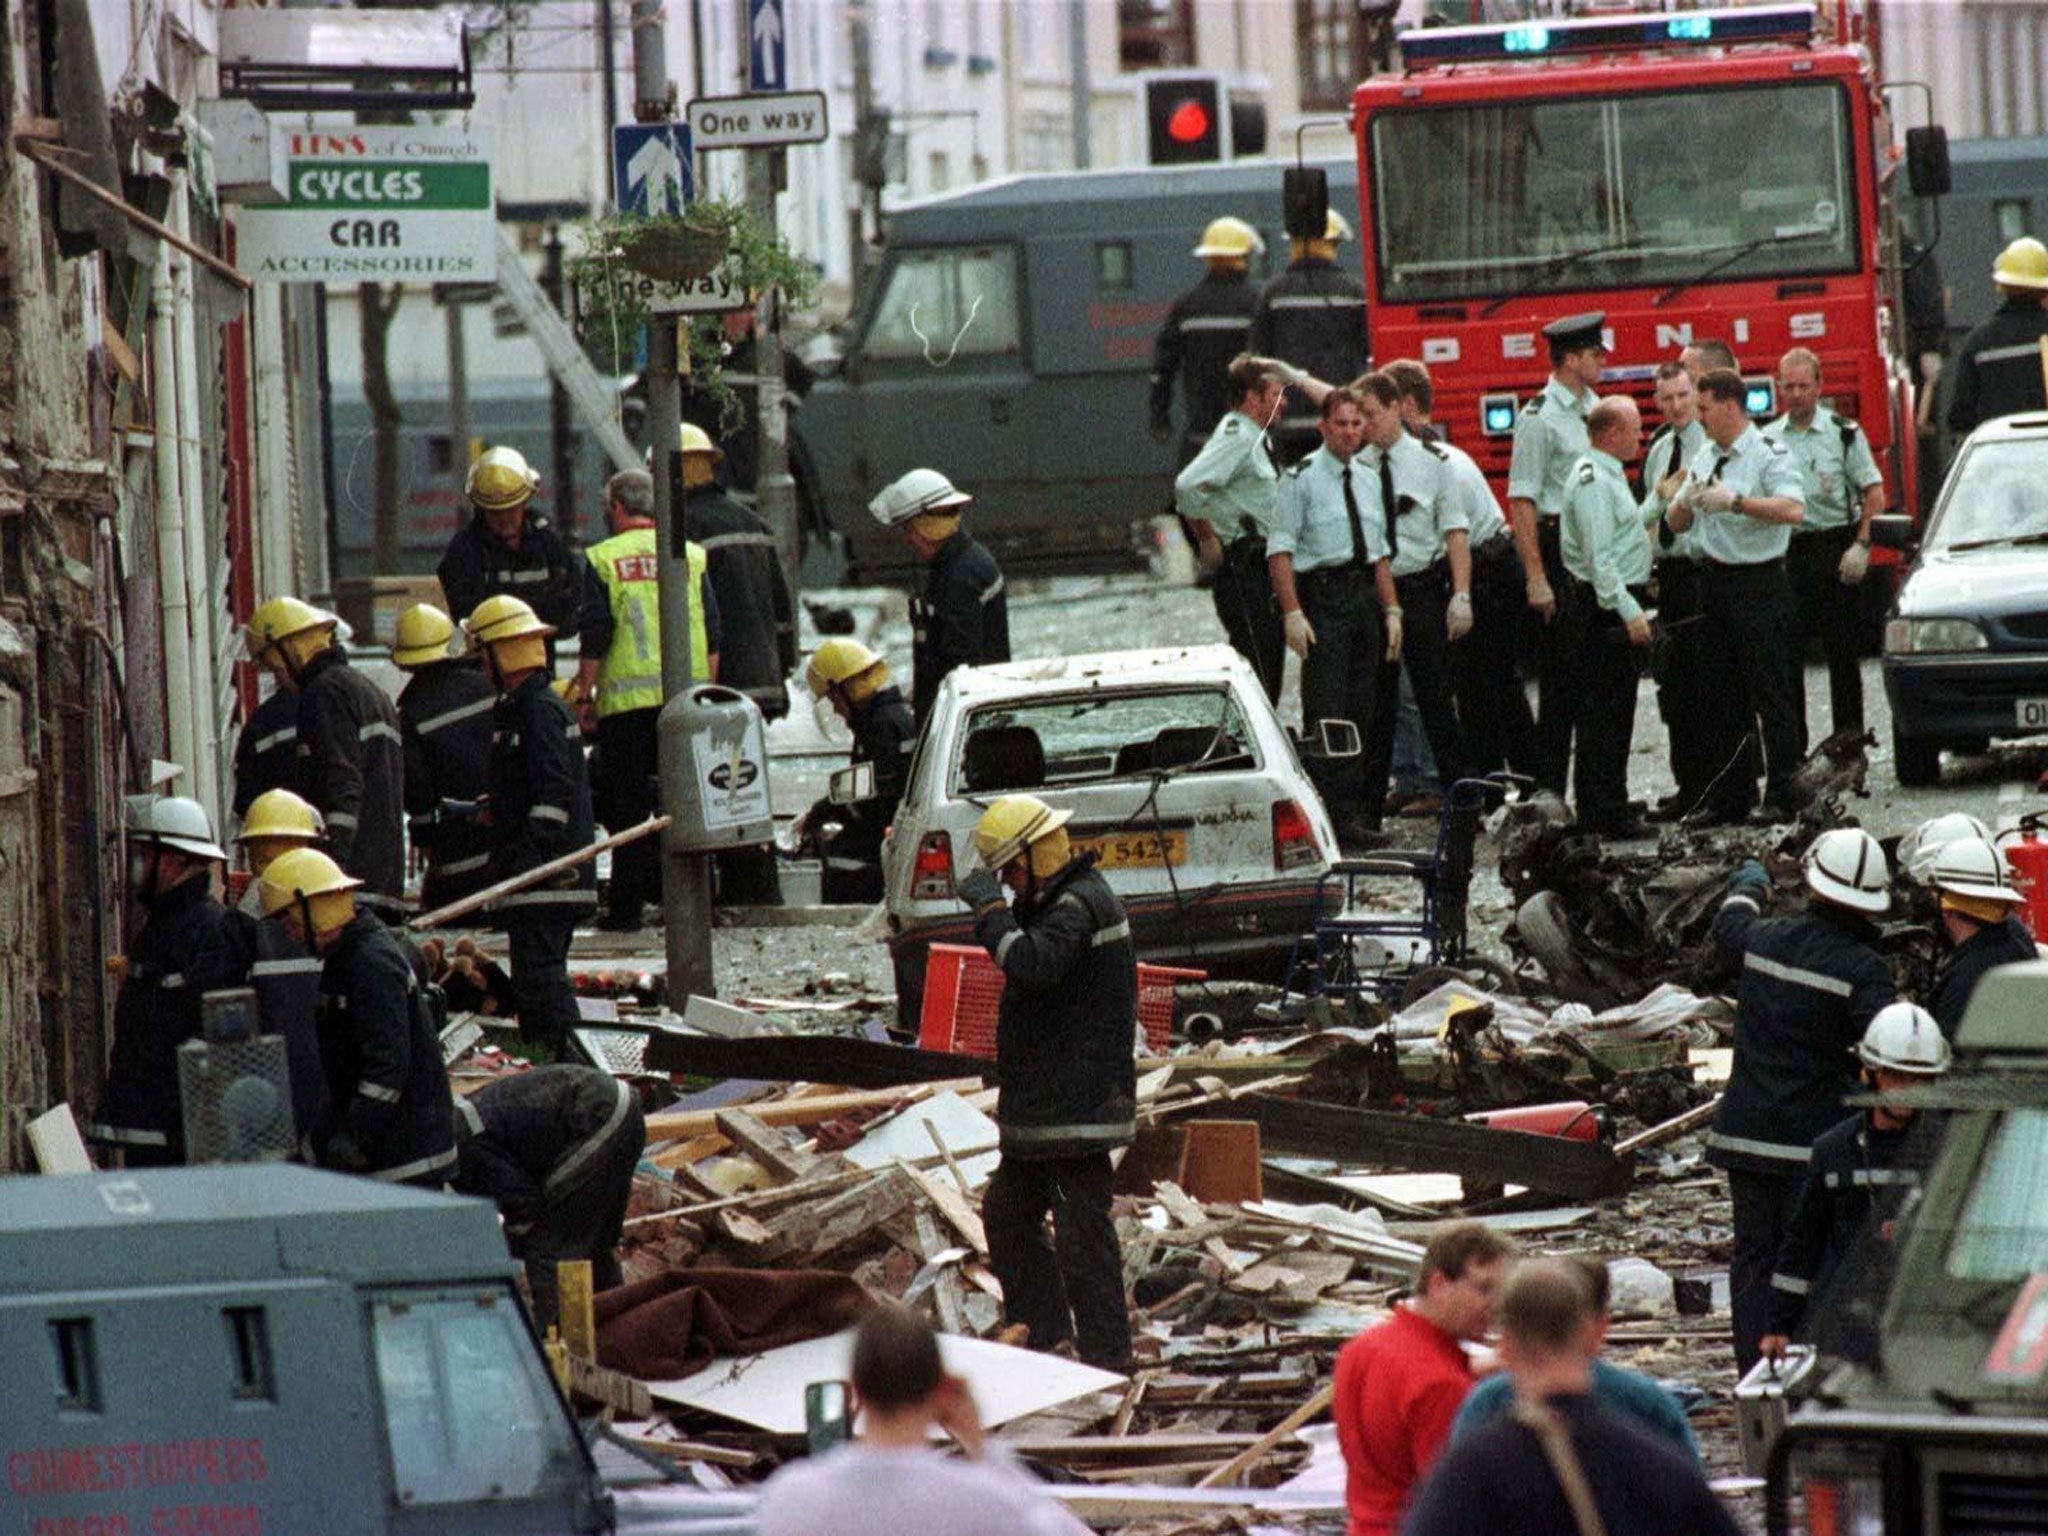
962 989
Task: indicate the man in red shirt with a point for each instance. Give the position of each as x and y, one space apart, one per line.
1399 1384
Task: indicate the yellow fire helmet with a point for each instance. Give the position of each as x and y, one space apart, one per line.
425 636
281 814
310 880
1336 227
513 631
2022 264
694 439
1229 239
500 479
1013 824
286 618
838 662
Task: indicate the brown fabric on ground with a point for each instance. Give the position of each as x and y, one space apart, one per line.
676 1324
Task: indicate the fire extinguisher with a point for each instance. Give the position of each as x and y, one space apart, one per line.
2026 855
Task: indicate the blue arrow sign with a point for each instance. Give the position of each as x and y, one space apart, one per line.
767 47
652 171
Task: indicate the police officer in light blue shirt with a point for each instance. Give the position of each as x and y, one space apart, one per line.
1681 661
1550 435
1830 551
1744 493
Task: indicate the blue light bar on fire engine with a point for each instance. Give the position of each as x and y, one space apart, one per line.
1607 34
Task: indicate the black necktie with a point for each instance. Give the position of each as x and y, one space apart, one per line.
1359 557
1393 508
1719 464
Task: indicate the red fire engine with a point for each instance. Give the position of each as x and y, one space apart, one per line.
1696 174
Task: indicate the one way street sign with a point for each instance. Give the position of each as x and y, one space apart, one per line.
758 122
651 168
767 47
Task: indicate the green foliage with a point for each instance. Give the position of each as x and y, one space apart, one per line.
609 313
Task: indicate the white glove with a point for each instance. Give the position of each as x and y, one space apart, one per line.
1458 616
1393 635
1300 633
1712 499
1855 563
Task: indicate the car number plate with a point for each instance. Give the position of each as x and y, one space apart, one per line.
2032 714
1136 850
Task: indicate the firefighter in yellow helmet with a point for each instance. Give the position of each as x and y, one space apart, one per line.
507 548
1064 1036
1998 366
539 810
1205 328
854 682
444 722
351 765
618 680
286 975
757 623
1312 317
389 1111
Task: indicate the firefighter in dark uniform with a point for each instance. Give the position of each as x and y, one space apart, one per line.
1550 437
1682 659
286 973
389 1110
963 619
1997 370
1608 554
267 750
1810 985
618 678
1205 328
554 1149
1863 1173
1979 923
444 725
1312 316
188 945
1064 1034
855 681
756 622
352 765
506 548
540 810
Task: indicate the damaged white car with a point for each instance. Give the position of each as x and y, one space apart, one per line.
1180 777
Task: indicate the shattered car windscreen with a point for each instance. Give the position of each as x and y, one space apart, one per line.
1123 734
2003 1232
2000 491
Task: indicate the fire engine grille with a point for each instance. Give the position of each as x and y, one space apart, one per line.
1983 1504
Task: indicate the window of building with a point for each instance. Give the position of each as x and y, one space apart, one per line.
940 305
1335 46
1155 34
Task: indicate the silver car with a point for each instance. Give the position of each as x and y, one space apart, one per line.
1181 780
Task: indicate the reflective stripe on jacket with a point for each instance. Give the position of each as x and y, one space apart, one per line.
629 675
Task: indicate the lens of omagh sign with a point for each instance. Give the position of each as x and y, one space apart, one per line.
409 204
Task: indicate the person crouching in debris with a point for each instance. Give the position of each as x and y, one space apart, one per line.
1866 1166
1069 1089
389 1110
1977 904
893 1477
554 1149
856 682
1810 985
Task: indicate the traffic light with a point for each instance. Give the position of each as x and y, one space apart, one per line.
1185 121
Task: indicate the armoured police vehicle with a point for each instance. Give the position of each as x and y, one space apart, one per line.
1007 340
1946 1428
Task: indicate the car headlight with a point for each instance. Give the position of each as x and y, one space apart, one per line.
1843 1493
1920 637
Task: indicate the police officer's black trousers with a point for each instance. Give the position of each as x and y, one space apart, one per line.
1346 678
1493 708
1557 652
1764 1203
1683 671
1243 594
628 754
584 1214
1822 604
1426 654
1749 623
1608 670
1071 1286
538 941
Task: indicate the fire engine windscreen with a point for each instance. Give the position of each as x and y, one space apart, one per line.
1586 192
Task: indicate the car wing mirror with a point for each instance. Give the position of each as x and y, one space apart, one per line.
850 786
1893 531
1338 738
1928 172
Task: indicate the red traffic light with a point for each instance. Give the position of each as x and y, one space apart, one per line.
1189 122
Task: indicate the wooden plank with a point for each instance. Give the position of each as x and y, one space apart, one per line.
768 1147
575 1308
1672 1129
812 1230
794 1111
952 1205
534 876
1324 1396
1129 1447
619 1392
58 1147
1222 1165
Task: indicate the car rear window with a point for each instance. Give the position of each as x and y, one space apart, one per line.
1102 735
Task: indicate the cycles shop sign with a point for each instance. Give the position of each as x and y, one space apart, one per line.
377 205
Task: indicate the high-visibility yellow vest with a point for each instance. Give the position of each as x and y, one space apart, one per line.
629 676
